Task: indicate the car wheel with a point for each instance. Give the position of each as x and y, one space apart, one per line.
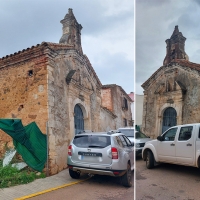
198 163
74 174
126 178
149 160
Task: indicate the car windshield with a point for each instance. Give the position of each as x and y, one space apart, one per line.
92 141
127 132
140 135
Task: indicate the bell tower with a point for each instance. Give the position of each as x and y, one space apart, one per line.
175 48
71 31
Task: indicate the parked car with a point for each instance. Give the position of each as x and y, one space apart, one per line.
128 132
136 137
178 145
104 153
140 140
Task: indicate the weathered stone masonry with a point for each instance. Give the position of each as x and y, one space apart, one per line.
83 89
174 85
113 99
23 86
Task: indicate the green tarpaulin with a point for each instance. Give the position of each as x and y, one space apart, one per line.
137 128
28 140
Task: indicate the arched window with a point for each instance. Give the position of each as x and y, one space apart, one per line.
78 119
169 118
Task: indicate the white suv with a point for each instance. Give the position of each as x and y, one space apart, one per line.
101 153
178 145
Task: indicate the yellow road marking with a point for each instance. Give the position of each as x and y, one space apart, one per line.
49 190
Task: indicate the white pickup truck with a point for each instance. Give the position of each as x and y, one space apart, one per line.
178 145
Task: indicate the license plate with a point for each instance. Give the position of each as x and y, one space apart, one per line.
93 154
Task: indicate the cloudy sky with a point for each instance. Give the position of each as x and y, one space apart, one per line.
107 34
155 22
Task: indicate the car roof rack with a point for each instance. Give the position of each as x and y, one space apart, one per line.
112 132
81 132
85 131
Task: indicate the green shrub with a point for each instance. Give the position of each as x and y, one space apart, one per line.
10 176
1 162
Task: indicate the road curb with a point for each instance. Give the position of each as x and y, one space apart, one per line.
49 190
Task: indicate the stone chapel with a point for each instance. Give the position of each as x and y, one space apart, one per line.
55 85
172 93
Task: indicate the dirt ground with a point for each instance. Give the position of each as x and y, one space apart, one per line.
167 182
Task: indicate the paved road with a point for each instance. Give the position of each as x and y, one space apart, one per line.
96 188
167 182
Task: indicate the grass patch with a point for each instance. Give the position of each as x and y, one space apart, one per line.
11 176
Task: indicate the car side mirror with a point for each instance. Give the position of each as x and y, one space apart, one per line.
160 138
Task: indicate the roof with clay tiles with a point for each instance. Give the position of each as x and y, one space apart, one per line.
53 46
38 46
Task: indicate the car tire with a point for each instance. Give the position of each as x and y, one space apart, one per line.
74 174
149 160
126 178
198 162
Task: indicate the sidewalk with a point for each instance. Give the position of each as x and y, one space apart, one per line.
43 185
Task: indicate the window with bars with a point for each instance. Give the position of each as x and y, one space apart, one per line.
124 103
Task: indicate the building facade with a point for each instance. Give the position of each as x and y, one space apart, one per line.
132 96
117 101
55 85
139 99
171 94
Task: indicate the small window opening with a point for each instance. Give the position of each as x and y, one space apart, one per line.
30 73
124 103
20 107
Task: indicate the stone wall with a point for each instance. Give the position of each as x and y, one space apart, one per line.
62 97
107 120
122 113
112 97
23 94
107 98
